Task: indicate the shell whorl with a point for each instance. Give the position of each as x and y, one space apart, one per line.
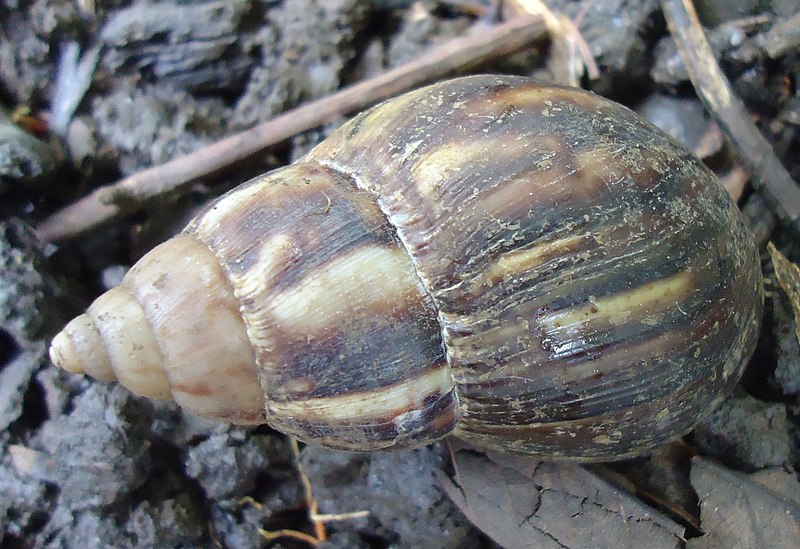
597 289
172 329
531 267
331 334
346 341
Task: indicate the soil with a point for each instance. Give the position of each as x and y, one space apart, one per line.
86 464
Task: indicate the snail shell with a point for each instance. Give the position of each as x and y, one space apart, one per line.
529 267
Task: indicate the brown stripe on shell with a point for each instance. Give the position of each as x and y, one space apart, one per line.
600 371
615 434
602 202
617 376
332 304
291 198
534 256
370 349
399 428
499 200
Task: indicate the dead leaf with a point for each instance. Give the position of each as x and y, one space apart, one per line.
738 510
521 503
780 481
788 275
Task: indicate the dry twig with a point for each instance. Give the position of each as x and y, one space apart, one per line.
782 37
714 90
473 49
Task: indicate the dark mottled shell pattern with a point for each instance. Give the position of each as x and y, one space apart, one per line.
531 267
597 290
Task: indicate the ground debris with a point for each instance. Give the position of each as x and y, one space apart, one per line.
740 511
521 502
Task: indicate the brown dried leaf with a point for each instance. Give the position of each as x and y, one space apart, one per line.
520 502
788 275
738 510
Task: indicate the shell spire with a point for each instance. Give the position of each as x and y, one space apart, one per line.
289 301
172 329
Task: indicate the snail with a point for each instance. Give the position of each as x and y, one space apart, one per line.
529 267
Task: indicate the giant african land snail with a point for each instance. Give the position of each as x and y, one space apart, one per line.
532 268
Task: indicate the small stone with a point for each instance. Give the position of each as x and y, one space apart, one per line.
746 434
227 463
